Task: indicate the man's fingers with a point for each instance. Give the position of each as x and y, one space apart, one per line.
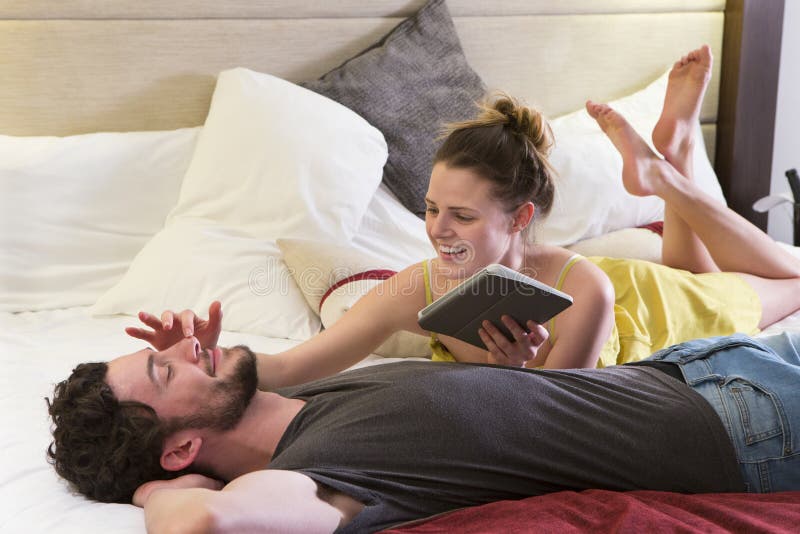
150 320
215 312
140 333
166 319
187 318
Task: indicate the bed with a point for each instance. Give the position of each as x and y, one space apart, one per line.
133 177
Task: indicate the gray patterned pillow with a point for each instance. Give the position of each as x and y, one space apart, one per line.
408 85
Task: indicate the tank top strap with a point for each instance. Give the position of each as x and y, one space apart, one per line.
426 276
438 351
562 275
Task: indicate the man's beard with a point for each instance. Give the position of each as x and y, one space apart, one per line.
228 399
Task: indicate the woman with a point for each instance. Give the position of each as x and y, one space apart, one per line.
489 180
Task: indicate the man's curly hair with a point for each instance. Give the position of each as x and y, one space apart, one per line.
104 447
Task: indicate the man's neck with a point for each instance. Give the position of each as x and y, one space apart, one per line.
252 443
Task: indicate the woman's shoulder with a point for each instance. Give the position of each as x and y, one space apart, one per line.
567 270
408 284
551 253
547 263
415 270
586 278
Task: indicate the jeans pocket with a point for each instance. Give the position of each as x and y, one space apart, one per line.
758 421
758 413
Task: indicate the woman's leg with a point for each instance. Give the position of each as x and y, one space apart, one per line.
734 243
674 137
778 298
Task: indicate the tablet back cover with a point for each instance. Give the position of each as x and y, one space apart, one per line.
490 293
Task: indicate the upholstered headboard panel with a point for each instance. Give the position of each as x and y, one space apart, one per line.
77 66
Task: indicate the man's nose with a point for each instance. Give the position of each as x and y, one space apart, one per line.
187 349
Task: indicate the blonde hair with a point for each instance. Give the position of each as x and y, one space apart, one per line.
507 143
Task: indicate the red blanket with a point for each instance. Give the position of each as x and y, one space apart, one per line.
635 511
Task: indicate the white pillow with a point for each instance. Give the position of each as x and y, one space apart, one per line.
277 160
401 344
590 198
76 210
318 266
635 243
273 160
192 262
341 275
390 237
391 232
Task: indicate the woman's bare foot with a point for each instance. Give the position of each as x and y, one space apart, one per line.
673 134
641 167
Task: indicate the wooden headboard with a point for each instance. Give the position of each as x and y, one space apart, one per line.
748 95
78 66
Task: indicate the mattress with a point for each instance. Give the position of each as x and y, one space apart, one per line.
36 351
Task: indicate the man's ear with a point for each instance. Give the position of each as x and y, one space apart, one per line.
180 450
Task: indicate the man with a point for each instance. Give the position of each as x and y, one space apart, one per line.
374 447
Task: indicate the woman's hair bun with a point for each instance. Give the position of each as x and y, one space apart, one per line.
524 120
508 144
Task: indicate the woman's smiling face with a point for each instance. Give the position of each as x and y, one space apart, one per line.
467 226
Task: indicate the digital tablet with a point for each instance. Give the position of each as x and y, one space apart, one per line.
490 293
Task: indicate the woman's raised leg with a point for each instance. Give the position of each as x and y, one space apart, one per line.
733 242
674 136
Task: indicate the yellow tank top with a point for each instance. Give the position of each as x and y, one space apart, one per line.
438 351
655 306
611 347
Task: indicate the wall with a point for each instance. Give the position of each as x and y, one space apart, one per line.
786 149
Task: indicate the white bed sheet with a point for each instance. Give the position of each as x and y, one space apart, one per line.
36 351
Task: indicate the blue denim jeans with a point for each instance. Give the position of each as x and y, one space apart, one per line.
754 386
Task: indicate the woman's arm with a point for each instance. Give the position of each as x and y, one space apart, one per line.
583 328
389 307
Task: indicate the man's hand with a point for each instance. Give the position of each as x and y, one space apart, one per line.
144 491
172 327
514 352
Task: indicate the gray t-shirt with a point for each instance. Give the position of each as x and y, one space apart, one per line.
413 439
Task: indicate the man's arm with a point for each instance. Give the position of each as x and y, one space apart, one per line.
262 501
